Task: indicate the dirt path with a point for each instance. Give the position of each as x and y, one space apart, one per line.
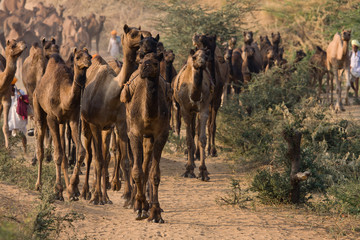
190 210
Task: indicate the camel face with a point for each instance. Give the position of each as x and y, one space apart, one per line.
248 37
248 53
102 19
275 38
200 57
131 37
232 42
148 44
160 47
150 65
346 35
14 48
270 53
169 56
50 47
228 54
82 58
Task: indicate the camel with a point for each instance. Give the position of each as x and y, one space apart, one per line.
82 35
101 109
248 38
12 52
275 40
116 65
318 68
267 53
192 90
12 5
249 65
56 102
148 130
234 60
337 58
70 28
95 28
167 70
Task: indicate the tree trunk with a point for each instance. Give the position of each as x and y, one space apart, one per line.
293 139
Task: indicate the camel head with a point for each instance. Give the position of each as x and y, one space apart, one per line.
270 54
264 41
248 37
50 47
232 42
275 38
102 19
248 52
131 37
76 22
84 22
36 50
150 65
169 56
205 42
228 54
148 44
199 58
346 35
14 48
82 58
61 9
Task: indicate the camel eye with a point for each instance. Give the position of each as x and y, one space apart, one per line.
13 46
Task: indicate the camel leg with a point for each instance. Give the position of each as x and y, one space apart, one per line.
338 106
48 141
197 141
73 190
58 158
86 194
203 173
188 119
24 141
148 146
348 85
40 125
99 163
155 211
97 42
137 173
64 162
68 137
6 109
123 161
212 130
178 118
105 171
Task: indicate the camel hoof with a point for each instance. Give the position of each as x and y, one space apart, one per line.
189 175
204 175
86 195
213 152
138 215
155 215
73 199
116 185
96 200
37 186
60 198
144 214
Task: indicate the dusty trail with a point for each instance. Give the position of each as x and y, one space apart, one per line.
190 210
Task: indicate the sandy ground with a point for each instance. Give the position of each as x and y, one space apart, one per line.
190 212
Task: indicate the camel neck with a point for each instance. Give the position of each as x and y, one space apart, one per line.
9 72
152 99
168 70
77 86
345 49
129 66
196 89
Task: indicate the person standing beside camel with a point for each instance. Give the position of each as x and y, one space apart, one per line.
355 65
114 45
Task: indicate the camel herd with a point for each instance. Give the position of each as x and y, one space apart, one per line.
131 102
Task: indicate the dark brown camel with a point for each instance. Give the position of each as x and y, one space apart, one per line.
267 53
148 117
56 102
318 68
192 90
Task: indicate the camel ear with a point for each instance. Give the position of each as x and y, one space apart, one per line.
272 34
8 42
74 51
126 28
192 52
43 41
53 40
139 27
160 57
244 34
157 38
141 37
86 50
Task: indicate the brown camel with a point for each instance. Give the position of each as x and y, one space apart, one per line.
12 52
233 58
338 59
267 53
192 90
56 102
101 109
71 25
82 35
318 68
167 70
148 117
276 40
95 28
249 65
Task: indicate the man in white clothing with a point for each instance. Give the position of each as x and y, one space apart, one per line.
355 65
114 45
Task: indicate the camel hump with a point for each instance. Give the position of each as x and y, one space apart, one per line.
57 58
337 37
